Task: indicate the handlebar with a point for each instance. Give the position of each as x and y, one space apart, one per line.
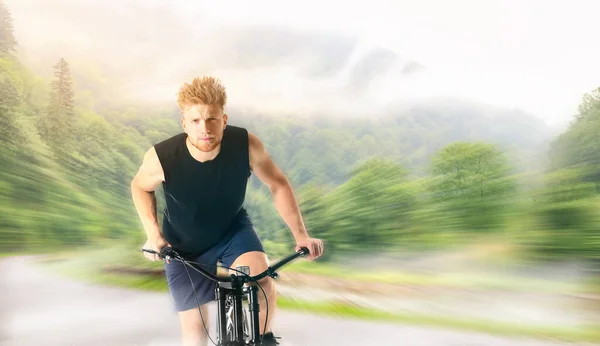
169 253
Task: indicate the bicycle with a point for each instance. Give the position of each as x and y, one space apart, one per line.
230 293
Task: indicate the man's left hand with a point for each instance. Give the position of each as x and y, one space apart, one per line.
315 247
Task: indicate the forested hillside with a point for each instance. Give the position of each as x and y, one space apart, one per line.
415 176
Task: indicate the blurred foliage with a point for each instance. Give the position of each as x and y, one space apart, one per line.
7 34
409 180
579 147
472 183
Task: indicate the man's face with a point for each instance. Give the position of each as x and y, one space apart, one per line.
204 125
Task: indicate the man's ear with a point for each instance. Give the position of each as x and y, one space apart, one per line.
225 118
182 122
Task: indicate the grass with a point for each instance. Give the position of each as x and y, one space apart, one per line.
88 268
583 334
20 253
451 280
493 250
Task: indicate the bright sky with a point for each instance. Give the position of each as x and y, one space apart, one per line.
539 55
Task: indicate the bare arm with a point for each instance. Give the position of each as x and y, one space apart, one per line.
283 195
143 185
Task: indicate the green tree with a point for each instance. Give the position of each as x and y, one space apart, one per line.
371 211
590 104
7 34
579 146
470 170
472 181
59 123
568 207
9 101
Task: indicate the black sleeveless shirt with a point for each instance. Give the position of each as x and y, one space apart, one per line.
203 199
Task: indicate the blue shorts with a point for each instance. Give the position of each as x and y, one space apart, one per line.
241 240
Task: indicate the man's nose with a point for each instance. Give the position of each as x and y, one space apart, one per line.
201 125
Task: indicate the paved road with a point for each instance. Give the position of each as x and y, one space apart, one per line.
37 308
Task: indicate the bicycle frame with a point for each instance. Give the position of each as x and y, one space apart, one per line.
233 287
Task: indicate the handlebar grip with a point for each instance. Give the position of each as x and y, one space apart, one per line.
304 251
166 252
151 251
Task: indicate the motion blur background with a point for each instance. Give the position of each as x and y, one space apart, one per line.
448 153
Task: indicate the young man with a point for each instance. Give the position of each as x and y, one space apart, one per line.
204 172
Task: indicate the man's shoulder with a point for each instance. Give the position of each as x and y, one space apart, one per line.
236 129
169 146
169 151
236 134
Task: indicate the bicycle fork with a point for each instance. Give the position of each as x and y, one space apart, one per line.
254 309
221 295
236 293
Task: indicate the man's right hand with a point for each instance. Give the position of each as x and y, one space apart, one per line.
156 244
